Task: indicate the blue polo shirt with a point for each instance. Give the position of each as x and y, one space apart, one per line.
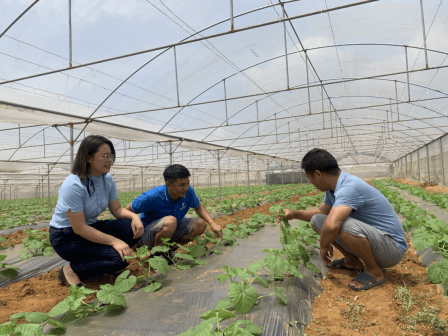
157 203
369 206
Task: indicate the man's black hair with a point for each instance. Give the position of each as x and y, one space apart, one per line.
321 160
174 172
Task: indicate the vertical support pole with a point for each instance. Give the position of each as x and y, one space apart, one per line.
286 47
219 175
71 147
231 16
406 166
267 179
20 142
42 188
427 163
441 161
225 100
171 151
323 108
292 172
308 81
276 135
48 180
407 73
396 99
43 135
177 80
141 171
418 165
258 121
424 33
391 116
248 181
70 32
210 178
281 165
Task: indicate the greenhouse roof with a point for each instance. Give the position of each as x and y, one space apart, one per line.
236 80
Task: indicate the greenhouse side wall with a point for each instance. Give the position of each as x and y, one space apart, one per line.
426 164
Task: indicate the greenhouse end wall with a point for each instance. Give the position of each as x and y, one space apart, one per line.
426 164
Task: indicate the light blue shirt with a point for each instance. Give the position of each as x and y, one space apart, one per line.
369 206
157 203
74 196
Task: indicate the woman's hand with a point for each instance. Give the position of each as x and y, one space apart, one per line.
122 248
137 227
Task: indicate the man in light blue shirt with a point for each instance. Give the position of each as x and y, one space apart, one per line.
355 218
163 211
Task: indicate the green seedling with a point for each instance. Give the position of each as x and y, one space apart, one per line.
7 270
243 294
155 262
109 298
36 244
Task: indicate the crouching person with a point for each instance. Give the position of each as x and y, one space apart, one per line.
163 211
355 218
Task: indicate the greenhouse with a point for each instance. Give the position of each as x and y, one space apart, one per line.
238 92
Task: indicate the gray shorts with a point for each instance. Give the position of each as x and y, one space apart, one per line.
384 248
184 227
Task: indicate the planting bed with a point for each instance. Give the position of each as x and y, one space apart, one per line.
407 304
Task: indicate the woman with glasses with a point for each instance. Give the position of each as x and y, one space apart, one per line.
92 246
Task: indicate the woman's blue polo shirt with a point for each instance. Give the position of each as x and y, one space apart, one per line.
157 203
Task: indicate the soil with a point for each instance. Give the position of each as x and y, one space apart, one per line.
429 187
17 237
383 312
330 313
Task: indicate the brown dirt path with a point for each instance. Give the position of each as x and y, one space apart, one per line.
383 313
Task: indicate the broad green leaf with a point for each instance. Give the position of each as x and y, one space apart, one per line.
243 296
223 277
57 324
296 272
438 274
36 317
109 294
10 272
200 262
153 287
242 273
2 257
235 330
48 251
123 283
8 328
160 249
17 316
312 267
215 250
250 326
61 308
224 304
280 295
421 242
196 251
79 292
30 329
182 266
223 314
26 256
184 256
260 280
255 266
277 264
142 251
159 264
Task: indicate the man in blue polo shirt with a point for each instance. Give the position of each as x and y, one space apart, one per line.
163 211
355 218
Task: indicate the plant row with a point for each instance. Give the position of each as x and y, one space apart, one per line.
426 230
278 263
